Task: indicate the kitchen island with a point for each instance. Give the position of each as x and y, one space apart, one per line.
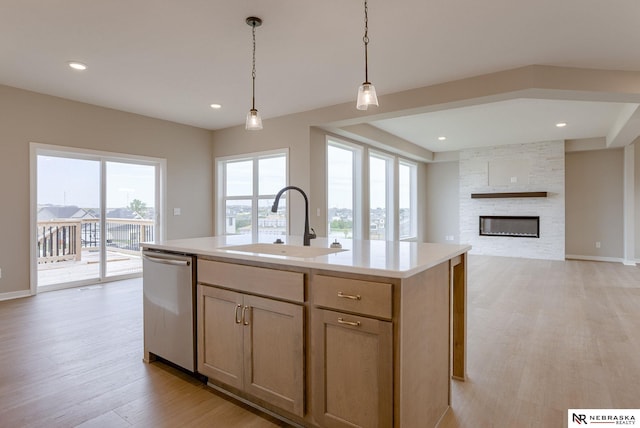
368 335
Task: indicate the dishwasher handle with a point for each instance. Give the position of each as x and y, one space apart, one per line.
172 262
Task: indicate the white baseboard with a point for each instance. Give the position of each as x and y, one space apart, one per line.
15 295
594 258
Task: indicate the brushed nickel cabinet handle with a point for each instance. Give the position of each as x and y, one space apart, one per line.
352 323
244 315
349 296
238 320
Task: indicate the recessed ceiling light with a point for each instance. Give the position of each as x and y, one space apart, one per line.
216 106
442 138
77 65
561 124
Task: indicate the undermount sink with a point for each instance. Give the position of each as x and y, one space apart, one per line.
283 250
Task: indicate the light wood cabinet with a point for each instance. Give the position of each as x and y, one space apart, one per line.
254 344
329 349
353 352
353 369
220 335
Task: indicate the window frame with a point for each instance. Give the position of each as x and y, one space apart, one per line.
362 189
390 187
255 197
357 183
413 199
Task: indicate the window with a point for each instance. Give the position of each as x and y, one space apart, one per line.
247 187
343 162
407 200
380 196
391 209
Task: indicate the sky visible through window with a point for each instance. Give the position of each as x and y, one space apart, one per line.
340 177
67 181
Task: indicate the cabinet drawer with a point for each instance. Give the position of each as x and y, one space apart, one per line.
352 295
255 280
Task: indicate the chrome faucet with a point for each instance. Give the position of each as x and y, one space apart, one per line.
308 236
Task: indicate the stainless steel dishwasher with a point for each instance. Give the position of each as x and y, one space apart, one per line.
168 308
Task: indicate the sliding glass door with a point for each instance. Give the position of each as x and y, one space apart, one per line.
68 220
92 211
130 214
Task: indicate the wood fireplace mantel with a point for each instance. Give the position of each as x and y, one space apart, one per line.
509 195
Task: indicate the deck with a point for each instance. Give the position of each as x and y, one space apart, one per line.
88 267
69 249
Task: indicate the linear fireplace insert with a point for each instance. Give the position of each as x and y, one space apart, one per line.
516 226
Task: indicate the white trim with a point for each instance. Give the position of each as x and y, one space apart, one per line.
15 295
594 258
413 179
253 155
33 218
629 204
360 218
391 206
50 149
629 262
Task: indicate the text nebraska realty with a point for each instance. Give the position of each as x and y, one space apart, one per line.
610 419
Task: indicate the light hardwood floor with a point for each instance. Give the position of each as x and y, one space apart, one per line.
547 336
74 358
543 336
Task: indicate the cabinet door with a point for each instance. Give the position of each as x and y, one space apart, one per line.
274 352
220 335
352 370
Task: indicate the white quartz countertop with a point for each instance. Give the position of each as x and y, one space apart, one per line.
382 258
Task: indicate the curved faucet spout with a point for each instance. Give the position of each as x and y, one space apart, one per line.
307 237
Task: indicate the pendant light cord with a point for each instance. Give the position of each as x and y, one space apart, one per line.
365 39
253 69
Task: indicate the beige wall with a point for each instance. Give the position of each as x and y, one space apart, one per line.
442 202
30 117
636 160
594 203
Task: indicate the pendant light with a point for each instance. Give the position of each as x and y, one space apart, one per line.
366 92
254 121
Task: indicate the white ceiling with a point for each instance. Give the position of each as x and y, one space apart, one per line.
171 59
506 122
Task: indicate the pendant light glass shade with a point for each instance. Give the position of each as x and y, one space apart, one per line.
366 92
254 121
366 96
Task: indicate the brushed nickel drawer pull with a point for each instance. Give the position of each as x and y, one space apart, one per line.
238 320
353 323
349 296
244 315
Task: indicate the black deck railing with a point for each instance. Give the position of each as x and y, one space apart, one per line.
60 240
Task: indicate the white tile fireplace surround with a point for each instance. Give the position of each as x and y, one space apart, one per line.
534 167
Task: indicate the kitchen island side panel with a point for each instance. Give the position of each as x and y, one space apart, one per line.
422 392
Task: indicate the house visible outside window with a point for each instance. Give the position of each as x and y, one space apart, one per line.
390 211
407 200
247 186
343 190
